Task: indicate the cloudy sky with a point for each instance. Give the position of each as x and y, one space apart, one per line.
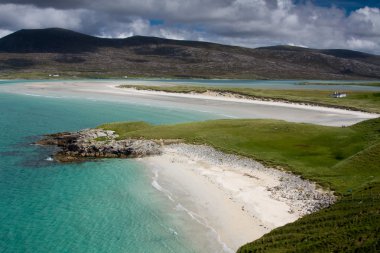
252 23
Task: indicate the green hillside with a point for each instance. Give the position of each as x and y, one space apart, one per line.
345 159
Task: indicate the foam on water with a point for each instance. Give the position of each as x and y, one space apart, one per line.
102 206
201 220
179 207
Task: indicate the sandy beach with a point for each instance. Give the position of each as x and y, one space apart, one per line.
236 198
235 99
216 107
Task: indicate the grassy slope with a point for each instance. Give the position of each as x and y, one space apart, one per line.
351 225
377 84
346 159
356 100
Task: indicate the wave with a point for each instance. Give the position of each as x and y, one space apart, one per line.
158 187
37 95
196 217
201 220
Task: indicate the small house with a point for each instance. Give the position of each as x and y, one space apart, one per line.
339 95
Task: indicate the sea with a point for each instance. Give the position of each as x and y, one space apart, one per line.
110 205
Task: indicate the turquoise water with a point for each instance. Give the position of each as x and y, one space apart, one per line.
258 84
102 206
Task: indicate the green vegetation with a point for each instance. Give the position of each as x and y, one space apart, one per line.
102 138
351 225
323 154
345 159
356 100
377 84
25 75
122 128
63 75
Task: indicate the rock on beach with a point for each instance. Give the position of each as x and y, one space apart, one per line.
98 143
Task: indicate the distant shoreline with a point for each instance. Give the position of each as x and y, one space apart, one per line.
45 77
235 97
213 106
353 83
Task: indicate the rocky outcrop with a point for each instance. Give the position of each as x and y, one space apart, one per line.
98 143
302 196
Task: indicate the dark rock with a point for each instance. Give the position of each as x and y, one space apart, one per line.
84 145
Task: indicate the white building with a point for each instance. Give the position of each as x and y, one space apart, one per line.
338 95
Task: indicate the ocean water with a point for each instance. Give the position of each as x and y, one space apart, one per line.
101 206
257 84
112 205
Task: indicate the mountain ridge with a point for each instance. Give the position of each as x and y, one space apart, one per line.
33 36
76 54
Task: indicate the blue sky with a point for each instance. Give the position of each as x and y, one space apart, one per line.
251 23
349 6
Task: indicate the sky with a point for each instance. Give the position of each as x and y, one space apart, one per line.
251 23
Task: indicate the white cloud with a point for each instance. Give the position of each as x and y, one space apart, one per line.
366 20
4 32
355 43
296 45
28 16
249 23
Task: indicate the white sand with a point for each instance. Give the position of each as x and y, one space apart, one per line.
237 198
216 96
215 106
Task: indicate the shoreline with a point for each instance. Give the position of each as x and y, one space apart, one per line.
244 199
232 97
235 198
211 106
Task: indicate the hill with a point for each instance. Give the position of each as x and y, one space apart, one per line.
39 52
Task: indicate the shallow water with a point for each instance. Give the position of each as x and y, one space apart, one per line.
105 91
258 84
102 206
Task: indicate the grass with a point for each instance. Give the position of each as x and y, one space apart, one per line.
319 153
122 128
376 84
63 75
351 225
356 100
102 138
345 159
